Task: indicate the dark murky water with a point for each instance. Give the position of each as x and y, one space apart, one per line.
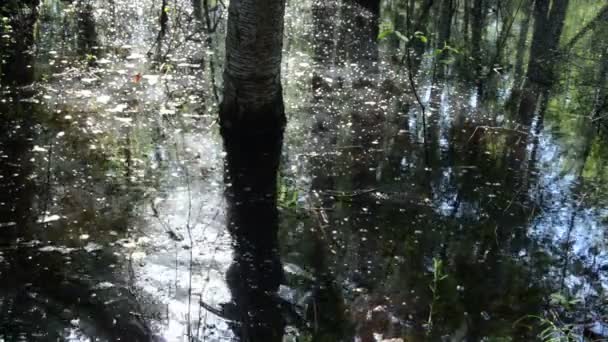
482 217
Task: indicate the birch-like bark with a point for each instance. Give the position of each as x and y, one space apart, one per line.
252 75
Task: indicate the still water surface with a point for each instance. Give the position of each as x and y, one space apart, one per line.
470 220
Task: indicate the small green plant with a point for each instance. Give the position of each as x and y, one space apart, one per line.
420 36
558 299
447 48
438 276
387 29
287 196
552 329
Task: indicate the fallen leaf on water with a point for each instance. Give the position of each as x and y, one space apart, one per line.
47 219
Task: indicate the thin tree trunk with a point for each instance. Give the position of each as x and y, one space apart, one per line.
524 28
445 23
548 26
602 17
465 22
476 37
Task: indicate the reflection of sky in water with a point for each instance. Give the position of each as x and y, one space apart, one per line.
564 218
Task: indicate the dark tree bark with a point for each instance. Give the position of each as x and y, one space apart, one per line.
478 15
465 22
15 56
524 29
87 36
600 105
548 26
17 120
445 23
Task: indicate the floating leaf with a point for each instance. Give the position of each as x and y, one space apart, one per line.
137 78
47 219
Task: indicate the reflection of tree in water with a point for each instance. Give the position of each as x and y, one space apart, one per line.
256 272
87 36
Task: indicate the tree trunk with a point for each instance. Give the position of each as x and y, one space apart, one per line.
15 58
465 22
476 37
253 98
548 25
524 28
602 17
445 23
87 35
252 120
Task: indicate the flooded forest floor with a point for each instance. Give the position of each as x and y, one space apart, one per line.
443 173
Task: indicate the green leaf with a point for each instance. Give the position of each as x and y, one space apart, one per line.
386 29
385 33
558 298
450 49
421 36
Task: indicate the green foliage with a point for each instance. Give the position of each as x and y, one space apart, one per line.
438 276
552 329
561 300
420 36
447 48
386 29
287 196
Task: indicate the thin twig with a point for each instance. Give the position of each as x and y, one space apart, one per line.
349 194
497 129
